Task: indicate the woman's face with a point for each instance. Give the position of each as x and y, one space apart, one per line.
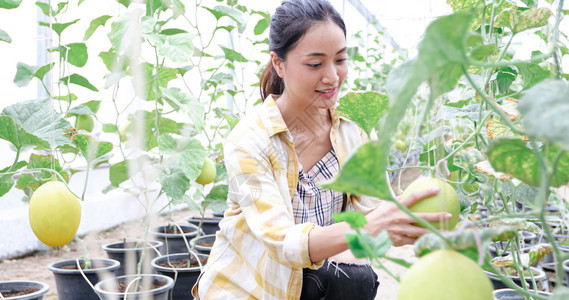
315 69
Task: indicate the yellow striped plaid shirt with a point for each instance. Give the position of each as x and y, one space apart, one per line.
259 252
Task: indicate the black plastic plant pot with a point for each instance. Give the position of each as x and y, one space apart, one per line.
539 276
503 248
204 243
129 252
566 272
218 214
108 289
185 277
210 225
36 289
174 242
511 294
70 282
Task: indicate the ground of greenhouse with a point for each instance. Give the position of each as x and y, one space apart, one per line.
34 266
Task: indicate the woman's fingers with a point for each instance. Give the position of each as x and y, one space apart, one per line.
434 217
414 197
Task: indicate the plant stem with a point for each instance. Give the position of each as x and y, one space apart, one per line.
86 181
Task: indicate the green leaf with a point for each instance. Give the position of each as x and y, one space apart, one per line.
44 7
34 180
467 242
512 156
95 23
221 11
532 74
233 55
35 123
110 128
364 108
261 26
4 37
363 173
216 200
6 180
90 147
177 48
58 27
174 183
165 75
483 51
10 4
172 31
24 74
181 100
544 109
519 20
80 110
356 219
118 173
78 80
75 54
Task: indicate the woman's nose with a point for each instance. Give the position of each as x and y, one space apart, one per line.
330 75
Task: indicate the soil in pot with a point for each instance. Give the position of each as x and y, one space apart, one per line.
209 225
23 290
129 253
70 282
174 241
160 287
204 243
176 267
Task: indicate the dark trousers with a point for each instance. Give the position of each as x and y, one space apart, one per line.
337 280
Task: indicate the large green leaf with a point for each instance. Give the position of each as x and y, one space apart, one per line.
151 78
184 101
512 156
33 122
362 175
177 48
545 110
532 74
174 182
95 23
148 121
4 37
118 173
90 146
9 4
186 153
36 179
364 108
78 80
519 20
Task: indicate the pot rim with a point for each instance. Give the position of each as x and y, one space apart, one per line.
155 231
539 276
154 263
43 288
108 248
55 267
169 284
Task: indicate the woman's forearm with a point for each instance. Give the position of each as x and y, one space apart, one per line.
324 242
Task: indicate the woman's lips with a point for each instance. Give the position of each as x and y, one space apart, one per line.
327 93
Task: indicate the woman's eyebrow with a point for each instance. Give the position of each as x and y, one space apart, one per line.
322 54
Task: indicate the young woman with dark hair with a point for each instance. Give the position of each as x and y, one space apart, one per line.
278 239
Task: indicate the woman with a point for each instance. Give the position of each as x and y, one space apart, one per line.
277 239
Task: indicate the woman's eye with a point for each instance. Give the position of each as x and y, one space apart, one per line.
341 60
313 65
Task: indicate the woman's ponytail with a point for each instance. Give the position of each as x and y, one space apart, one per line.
270 82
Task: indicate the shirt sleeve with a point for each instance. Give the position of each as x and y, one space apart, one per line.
268 215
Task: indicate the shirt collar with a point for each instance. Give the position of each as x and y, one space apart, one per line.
274 123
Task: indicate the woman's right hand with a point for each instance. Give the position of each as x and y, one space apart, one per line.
398 224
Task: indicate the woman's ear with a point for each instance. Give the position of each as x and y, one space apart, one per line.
277 64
